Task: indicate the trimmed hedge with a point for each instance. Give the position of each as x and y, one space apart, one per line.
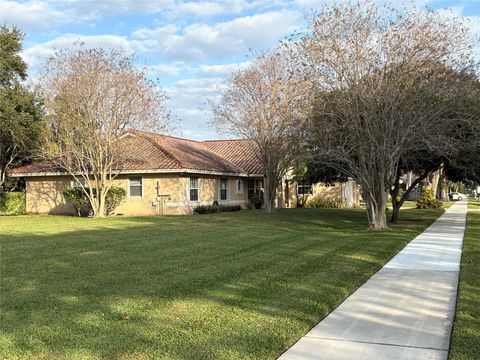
210 209
12 203
322 202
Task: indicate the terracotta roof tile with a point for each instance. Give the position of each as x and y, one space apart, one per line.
240 152
191 154
148 151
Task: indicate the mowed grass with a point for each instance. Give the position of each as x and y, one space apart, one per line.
465 343
240 285
474 204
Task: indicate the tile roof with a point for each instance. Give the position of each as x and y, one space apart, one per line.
153 152
191 154
242 153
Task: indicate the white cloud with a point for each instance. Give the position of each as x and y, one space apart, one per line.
108 8
221 40
38 15
165 70
188 101
223 69
209 8
36 54
34 15
154 34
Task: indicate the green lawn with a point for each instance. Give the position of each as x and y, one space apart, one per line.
240 285
466 329
473 204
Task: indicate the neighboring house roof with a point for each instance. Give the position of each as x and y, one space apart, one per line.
149 152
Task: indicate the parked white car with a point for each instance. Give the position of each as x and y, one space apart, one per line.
457 196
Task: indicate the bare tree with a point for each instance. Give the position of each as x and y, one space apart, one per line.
92 96
379 89
268 104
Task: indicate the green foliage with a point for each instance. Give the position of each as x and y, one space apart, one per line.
12 203
79 200
11 64
256 200
115 196
427 200
21 111
210 209
322 202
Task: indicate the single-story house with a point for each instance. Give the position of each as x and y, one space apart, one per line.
166 175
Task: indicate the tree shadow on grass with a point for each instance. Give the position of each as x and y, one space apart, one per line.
182 288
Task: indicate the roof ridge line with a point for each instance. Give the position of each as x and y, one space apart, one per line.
224 140
162 149
165 135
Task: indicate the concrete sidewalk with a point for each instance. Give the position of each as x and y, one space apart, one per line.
404 311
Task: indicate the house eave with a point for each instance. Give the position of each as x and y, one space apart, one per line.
144 171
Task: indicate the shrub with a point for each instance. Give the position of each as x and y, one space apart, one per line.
322 202
256 200
79 200
210 209
12 203
230 208
427 200
205 209
115 196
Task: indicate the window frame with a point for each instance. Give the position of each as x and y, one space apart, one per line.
239 186
304 186
197 188
223 190
256 189
130 187
78 182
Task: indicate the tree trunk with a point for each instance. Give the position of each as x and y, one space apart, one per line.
269 193
394 192
2 177
376 208
436 181
396 203
101 194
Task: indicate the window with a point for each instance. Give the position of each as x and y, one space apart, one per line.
78 182
304 189
239 186
135 186
254 187
223 189
194 189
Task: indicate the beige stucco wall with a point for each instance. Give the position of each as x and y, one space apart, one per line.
177 187
336 191
44 194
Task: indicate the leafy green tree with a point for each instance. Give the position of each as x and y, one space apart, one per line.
21 111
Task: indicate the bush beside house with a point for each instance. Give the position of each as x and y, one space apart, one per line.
77 198
323 202
211 209
12 203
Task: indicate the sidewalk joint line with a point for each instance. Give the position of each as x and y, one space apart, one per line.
375 343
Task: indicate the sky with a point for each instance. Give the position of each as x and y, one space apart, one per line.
190 46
